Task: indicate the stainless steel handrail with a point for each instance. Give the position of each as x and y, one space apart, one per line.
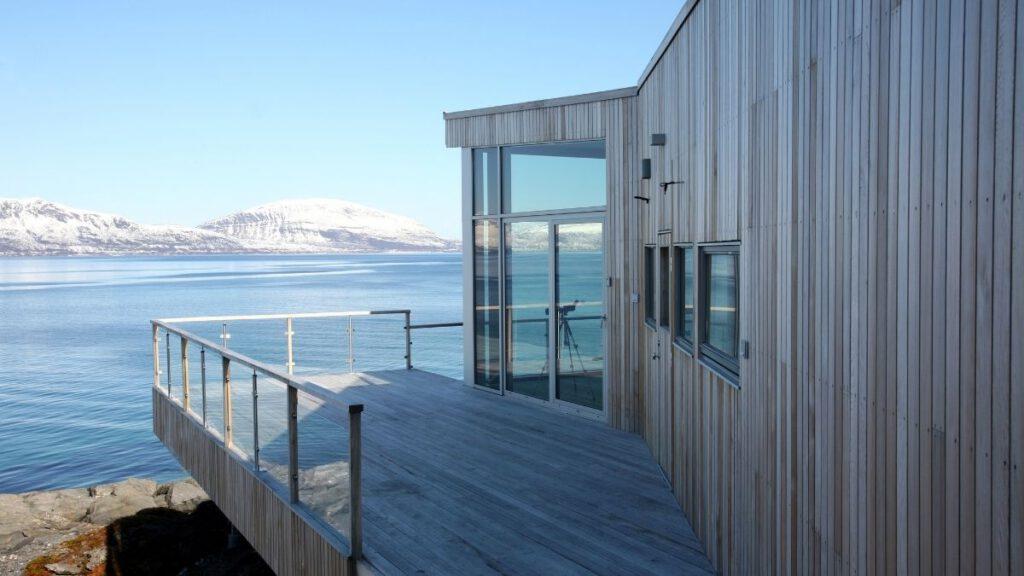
293 383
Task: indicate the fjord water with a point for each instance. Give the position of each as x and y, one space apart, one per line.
75 343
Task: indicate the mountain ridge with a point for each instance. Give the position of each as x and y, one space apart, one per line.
39 227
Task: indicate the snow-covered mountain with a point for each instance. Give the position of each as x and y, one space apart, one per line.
326 225
36 227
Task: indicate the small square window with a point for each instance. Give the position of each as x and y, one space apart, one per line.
684 286
720 306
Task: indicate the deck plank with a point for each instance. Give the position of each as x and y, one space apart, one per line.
458 480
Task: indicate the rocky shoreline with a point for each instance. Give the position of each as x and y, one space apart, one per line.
131 527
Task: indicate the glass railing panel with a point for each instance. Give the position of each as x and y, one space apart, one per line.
322 345
195 380
324 461
241 409
214 393
379 342
272 407
438 350
168 369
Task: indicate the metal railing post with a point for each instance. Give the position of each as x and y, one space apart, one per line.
156 356
167 356
293 444
255 424
202 376
355 479
288 332
184 374
226 375
408 343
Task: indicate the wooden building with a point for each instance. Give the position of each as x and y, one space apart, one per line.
808 297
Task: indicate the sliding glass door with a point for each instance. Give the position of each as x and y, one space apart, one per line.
580 317
554 311
527 306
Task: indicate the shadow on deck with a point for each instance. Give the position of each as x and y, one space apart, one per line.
460 481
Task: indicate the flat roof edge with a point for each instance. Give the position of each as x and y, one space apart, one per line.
547 103
677 24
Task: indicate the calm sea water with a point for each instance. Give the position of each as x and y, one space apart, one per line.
75 347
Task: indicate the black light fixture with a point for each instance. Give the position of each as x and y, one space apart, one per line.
645 169
657 139
665 185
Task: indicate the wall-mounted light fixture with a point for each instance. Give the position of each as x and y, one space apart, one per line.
645 169
665 185
657 139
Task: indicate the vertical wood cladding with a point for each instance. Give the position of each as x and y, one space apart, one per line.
869 156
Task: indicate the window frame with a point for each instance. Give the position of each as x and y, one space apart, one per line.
722 363
679 295
491 197
504 185
650 314
665 287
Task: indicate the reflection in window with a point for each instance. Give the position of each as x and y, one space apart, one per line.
663 306
527 303
649 284
485 181
720 283
555 176
486 348
684 294
580 286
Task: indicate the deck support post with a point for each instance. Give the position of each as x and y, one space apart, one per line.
355 479
408 342
255 424
226 375
184 374
293 444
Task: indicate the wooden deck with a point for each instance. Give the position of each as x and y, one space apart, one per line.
460 481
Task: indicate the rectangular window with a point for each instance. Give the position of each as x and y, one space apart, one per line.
485 181
664 308
649 284
720 306
486 348
684 295
538 177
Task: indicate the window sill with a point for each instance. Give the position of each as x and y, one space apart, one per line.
650 324
683 346
722 372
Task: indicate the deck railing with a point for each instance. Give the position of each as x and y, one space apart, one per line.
312 395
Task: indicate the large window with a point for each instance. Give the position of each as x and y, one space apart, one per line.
563 175
485 181
486 307
684 296
649 284
720 306
538 278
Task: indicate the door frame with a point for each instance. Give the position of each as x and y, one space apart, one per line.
553 221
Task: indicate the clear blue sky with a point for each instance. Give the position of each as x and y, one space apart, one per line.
178 112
